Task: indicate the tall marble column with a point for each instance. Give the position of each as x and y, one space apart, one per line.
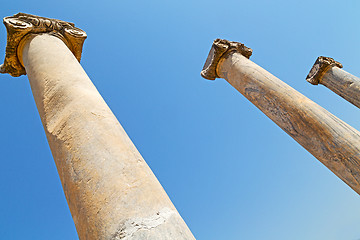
111 191
328 72
326 137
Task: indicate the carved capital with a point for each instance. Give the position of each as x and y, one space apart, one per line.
321 66
219 49
20 25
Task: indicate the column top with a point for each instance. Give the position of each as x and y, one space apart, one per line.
320 67
219 49
20 25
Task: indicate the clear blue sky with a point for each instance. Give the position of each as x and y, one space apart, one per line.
230 171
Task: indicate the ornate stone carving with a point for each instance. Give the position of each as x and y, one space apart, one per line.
20 25
219 49
321 65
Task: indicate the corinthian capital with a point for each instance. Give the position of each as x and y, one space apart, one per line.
21 25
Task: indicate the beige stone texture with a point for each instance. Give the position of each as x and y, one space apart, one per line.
111 191
326 137
328 72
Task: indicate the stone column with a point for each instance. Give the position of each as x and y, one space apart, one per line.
326 71
111 191
330 140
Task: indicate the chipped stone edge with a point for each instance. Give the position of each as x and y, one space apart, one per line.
320 67
219 49
21 25
131 226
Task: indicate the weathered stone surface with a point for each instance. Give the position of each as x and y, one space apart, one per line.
21 25
320 67
217 51
326 137
337 80
111 191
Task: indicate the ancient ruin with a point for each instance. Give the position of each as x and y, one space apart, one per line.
332 141
326 71
111 191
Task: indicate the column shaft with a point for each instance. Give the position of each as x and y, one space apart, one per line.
326 71
330 140
343 84
111 192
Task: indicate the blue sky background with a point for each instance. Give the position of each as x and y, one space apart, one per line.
230 171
